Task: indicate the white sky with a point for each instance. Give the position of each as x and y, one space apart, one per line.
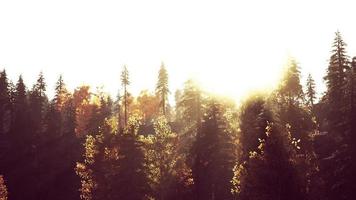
230 46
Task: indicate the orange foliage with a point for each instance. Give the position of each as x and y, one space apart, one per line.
84 109
148 104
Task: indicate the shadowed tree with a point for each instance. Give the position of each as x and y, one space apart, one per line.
310 93
214 156
125 82
162 89
337 166
270 171
336 84
253 122
4 102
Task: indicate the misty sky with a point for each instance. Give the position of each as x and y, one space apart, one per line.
231 47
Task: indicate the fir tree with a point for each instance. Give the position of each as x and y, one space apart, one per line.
214 156
336 84
4 101
310 92
125 82
162 89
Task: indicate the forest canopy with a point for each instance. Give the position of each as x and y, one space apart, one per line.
282 144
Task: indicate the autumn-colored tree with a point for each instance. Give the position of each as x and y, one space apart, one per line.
161 153
148 104
3 189
61 94
83 109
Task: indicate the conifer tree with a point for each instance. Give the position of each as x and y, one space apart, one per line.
4 101
336 84
288 102
310 92
189 105
132 173
162 89
38 103
61 94
270 171
252 122
20 111
125 82
352 95
339 166
214 156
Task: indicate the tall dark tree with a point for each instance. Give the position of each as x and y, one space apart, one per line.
20 125
189 112
20 142
38 103
310 93
115 165
338 166
26 133
162 89
270 172
4 102
336 83
288 102
253 122
61 94
125 82
352 95
214 156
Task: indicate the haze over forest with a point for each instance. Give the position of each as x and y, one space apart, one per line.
177 101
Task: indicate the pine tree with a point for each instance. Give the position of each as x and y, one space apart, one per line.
125 82
162 89
336 83
352 95
26 137
4 101
252 122
115 166
132 173
38 103
288 104
61 94
20 109
339 165
310 92
270 171
290 89
214 156
190 106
